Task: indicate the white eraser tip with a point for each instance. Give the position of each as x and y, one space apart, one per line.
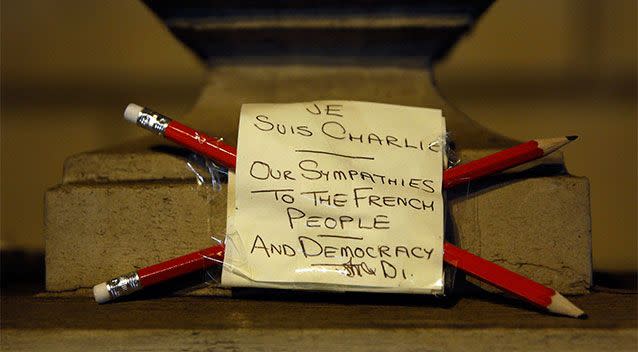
132 112
101 293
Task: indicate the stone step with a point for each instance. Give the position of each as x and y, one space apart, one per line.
536 226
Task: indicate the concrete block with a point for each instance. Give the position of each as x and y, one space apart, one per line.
538 227
131 165
96 231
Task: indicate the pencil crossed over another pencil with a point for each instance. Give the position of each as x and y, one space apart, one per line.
215 149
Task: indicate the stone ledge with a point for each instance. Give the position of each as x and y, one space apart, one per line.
96 231
385 323
538 227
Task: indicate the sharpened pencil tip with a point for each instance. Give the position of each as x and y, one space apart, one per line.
572 138
560 305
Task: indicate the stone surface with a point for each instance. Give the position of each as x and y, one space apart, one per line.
538 227
94 232
134 165
325 323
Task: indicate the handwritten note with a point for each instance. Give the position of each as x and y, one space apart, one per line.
337 195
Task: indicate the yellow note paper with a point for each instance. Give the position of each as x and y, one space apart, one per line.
337 195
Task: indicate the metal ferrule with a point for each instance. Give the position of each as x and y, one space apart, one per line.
153 121
124 285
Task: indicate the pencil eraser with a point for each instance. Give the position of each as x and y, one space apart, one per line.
132 112
101 293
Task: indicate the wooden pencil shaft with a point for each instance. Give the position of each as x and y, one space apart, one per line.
491 164
498 276
201 143
179 266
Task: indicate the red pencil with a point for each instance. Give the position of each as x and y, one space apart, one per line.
509 281
136 280
199 142
503 160
518 285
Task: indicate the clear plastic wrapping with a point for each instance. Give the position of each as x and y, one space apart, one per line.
211 177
